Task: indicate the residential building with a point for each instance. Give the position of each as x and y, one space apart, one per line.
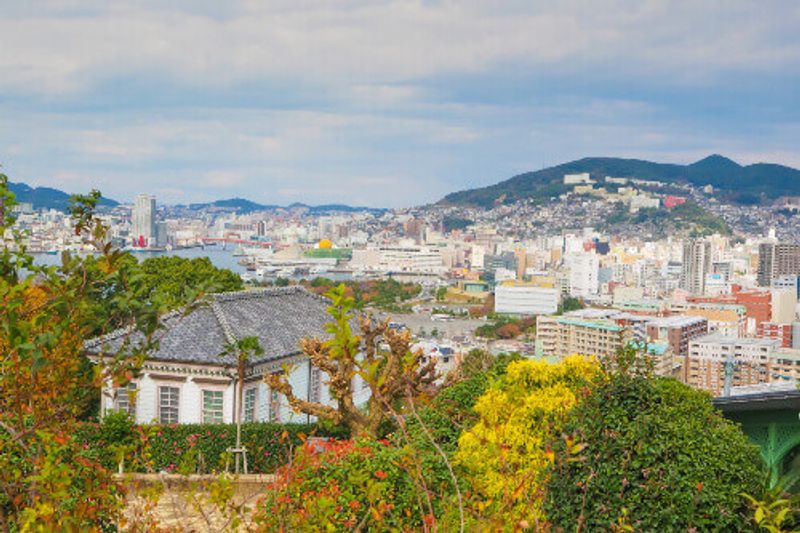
774 330
560 336
749 361
583 274
777 259
187 380
696 265
677 331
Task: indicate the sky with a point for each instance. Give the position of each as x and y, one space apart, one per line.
383 103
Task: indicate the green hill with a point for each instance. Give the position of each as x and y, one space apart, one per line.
734 182
47 198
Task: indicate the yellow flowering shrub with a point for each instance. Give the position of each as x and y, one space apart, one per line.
506 454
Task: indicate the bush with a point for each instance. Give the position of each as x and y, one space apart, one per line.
191 448
364 484
653 455
506 453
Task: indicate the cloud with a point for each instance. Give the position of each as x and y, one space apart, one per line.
381 44
389 102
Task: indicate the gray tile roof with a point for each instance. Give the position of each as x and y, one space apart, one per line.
279 317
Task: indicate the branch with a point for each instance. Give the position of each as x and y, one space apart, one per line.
279 383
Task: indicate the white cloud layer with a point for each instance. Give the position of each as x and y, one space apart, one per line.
348 100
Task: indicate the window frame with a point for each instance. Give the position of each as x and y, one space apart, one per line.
254 408
215 416
162 406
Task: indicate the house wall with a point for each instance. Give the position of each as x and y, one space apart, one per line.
191 381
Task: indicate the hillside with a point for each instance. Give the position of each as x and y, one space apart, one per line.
47 198
734 182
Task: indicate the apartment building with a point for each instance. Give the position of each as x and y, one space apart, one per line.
773 330
727 319
677 332
561 336
696 265
777 259
750 361
760 305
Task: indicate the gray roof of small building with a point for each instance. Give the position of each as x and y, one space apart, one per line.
279 317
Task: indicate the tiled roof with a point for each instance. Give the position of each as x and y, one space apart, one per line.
279 317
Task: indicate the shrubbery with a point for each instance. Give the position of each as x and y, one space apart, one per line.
192 448
348 485
506 454
654 456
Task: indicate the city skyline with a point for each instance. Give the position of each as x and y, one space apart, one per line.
389 104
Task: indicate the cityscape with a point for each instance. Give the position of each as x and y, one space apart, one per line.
407 266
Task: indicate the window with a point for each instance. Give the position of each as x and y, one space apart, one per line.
314 387
212 407
126 399
168 400
249 414
274 406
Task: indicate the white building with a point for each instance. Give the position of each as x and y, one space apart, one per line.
584 269
696 265
400 258
186 380
526 299
584 178
143 218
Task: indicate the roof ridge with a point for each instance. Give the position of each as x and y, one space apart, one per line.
223 322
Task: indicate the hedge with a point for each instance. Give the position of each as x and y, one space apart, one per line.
192 448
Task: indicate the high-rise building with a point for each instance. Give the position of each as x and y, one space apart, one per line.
776 260
584 271
143 232
696 264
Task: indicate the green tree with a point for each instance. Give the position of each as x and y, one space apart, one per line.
46 481
441 294
175 281
652 455
571 303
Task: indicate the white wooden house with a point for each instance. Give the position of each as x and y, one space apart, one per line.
187 380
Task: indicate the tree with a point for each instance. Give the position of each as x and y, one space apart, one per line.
571 304
47 483
652 455
390 375
506 453
441 293
175 281
244 350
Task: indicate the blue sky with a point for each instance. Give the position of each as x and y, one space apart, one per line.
383 103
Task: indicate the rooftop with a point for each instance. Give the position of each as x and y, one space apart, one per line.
279 317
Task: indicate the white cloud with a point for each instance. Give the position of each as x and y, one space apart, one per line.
380 46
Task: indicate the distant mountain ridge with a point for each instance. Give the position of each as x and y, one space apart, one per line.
734 182
47 197
242 205
50 198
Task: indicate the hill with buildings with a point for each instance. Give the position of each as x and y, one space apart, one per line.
733 182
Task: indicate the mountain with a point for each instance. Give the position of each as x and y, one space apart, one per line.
47 198
241 205
732 181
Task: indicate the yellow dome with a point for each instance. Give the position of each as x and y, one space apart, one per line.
325 244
